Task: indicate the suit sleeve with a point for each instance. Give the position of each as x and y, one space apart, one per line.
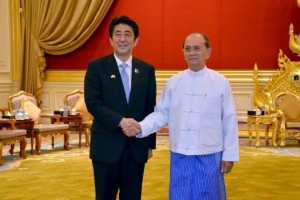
93 87
151 104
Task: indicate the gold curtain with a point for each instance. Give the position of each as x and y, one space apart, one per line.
56 27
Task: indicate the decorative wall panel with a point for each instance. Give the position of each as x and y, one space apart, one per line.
4 37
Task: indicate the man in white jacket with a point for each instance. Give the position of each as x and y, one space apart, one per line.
198 107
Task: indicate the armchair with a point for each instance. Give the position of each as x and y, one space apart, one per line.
10 136
75 100
281 95
29 104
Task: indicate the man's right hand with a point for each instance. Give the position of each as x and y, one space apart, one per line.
130 127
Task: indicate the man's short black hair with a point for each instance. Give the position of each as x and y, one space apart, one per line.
123 20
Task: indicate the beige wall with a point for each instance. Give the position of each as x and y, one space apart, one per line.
6 84
57 84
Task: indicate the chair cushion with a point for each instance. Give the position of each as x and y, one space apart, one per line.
50 127
290 106
5 134
81 107
33 111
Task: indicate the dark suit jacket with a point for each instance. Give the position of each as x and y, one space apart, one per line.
106 101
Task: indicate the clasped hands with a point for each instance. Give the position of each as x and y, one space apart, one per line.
130 127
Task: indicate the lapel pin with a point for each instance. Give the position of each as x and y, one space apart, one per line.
113 76
136 71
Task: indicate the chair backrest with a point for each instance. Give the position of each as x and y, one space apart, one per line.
71 98
15 100
75 100
289 104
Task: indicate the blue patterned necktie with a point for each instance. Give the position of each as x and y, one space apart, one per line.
125 80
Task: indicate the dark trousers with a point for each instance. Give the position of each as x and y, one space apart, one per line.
125 176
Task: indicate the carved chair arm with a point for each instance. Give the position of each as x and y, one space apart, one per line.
3 110
269 105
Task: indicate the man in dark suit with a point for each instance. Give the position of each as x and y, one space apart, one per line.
119 160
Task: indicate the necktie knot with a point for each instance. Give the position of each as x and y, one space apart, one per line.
123 66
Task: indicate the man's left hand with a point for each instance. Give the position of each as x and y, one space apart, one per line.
226 166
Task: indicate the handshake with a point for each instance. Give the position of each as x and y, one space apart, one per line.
130 127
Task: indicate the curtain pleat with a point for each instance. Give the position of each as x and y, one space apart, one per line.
56 27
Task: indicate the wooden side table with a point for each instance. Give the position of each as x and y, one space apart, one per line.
268 120
74 119
28 125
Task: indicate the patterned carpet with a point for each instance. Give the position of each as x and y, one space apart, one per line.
264 172
13 161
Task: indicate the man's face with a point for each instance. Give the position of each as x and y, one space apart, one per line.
195 52
123 41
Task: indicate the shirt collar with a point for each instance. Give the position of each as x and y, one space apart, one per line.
128 62
198 73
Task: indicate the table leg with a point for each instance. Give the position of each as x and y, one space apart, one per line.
1 148
23 143
31 142
38 141
80 132
250 133
11 151
52 142
257 133
66 140
274 136
87 137
267 134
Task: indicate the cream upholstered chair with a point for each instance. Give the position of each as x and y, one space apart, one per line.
75 100
10 136
29 103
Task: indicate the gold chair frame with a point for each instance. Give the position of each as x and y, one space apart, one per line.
41 130
70 100
283 82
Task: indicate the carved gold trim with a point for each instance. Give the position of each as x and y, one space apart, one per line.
239 76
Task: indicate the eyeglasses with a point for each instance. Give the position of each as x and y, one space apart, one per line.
189 49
